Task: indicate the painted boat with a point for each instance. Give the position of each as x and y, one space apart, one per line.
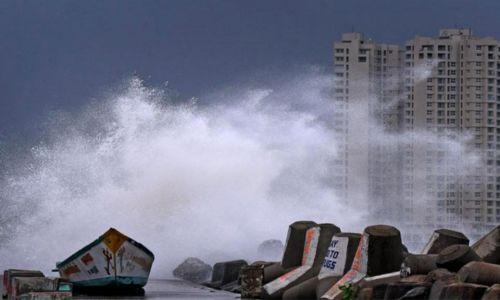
112 261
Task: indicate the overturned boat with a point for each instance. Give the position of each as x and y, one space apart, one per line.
113 261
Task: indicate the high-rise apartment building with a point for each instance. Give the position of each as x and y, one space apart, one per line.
367 91
458 95
437 101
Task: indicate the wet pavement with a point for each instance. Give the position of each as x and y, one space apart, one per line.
178 289
173 289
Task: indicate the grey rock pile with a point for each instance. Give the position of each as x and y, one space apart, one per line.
194 270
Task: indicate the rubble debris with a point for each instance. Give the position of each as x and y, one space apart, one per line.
10 274
270 250
316 245
463 291
113 261
225 274
480 272
194 270
492 293
418 264
251 279
380 251
488 247
456 256
443 238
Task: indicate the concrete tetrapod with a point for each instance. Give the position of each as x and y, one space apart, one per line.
224 273
418 293
336 263
273 271
292 255
399 289
459 291
456 256
415 264
380 251
440 278
480 273
315 247
493 293
443 238
255 276
488 247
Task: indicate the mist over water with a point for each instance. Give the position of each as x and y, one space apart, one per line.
211 181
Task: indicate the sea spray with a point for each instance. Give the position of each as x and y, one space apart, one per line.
211 180
185 180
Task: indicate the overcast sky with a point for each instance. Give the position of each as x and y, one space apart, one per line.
56 55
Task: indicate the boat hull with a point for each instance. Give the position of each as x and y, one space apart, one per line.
112 261
113 281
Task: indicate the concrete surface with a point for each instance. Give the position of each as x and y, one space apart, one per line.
173 289
178 289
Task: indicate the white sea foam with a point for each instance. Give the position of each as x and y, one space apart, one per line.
211 181
184 180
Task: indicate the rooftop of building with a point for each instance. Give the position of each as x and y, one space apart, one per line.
449 32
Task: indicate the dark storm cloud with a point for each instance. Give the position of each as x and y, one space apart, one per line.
58 55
